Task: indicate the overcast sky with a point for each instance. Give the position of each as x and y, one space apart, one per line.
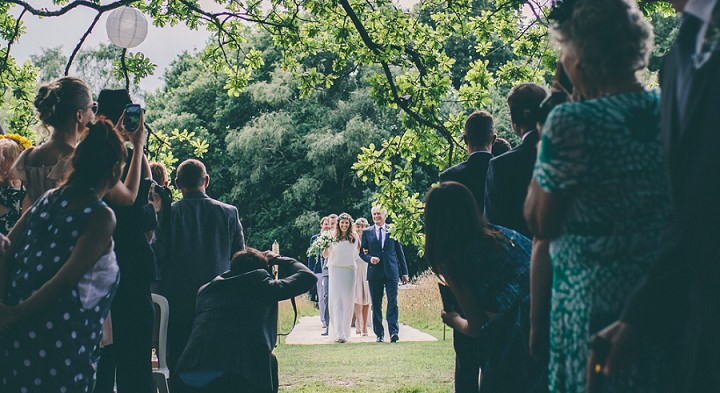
162 46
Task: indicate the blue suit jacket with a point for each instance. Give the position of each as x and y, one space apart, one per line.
392 258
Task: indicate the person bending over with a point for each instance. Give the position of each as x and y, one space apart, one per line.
235 328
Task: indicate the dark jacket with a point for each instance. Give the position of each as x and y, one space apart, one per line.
679 301
235 327
506 185
202 237
471 352
392 257
471 173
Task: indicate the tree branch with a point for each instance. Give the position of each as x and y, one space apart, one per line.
402 102
77 3
82 41
124 68
16 31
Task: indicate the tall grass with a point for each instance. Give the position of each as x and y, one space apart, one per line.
420 304
286 314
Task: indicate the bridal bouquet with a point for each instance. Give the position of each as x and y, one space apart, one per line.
320 244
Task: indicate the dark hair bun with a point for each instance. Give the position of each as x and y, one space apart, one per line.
58 101
46 100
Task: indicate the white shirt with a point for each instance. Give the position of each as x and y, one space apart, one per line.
703 10
384 233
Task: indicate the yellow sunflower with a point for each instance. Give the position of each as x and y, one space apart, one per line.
21 140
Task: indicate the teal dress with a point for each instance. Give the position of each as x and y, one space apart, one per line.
606 156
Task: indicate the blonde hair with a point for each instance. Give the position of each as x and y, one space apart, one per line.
362 221
612 37
58 101
9 152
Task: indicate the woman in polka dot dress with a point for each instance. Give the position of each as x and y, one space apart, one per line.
59 275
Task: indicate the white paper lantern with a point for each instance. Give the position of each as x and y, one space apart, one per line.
127 27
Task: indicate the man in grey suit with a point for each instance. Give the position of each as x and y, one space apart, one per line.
196 246
316 264
331 222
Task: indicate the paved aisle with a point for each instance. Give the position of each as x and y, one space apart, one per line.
308 329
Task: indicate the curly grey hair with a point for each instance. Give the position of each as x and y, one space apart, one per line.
611 37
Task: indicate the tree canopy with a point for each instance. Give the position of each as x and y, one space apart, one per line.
401 82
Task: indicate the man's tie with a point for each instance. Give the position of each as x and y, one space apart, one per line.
382 240
687 43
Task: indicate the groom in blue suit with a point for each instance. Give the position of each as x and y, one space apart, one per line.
386 261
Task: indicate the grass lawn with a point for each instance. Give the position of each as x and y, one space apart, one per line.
404 367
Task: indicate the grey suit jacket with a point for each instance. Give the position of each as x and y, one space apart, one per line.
197 245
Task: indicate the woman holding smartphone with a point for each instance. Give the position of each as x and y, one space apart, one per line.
65 108
487 268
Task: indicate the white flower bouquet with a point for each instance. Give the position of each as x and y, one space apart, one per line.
320 244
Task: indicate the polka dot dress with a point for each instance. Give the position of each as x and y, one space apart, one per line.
56 351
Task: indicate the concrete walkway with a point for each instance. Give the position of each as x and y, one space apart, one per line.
307 332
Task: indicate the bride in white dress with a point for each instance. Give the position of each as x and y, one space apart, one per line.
341 256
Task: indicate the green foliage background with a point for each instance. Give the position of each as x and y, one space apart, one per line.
305 108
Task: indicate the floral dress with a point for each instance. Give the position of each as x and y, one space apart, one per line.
605 156
11 198
501 274
55 351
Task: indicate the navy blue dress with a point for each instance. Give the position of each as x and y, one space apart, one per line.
57 350
502 287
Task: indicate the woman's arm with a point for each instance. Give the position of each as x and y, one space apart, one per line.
475 315
544 211
540 293
25 203
296 278
94 242
124 193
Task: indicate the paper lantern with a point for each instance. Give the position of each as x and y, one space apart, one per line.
127 27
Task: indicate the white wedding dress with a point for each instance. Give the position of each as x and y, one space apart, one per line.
341 287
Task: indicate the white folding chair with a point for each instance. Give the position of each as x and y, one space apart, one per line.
161 374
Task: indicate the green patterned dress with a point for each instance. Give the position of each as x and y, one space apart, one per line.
606 156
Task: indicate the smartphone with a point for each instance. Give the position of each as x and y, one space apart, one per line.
447 297
131 121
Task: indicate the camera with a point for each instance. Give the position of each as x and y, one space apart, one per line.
164 193
131 121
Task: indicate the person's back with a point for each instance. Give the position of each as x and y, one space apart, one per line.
612 160
205 234
479 136
64 107
509 175
195 245
68 275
